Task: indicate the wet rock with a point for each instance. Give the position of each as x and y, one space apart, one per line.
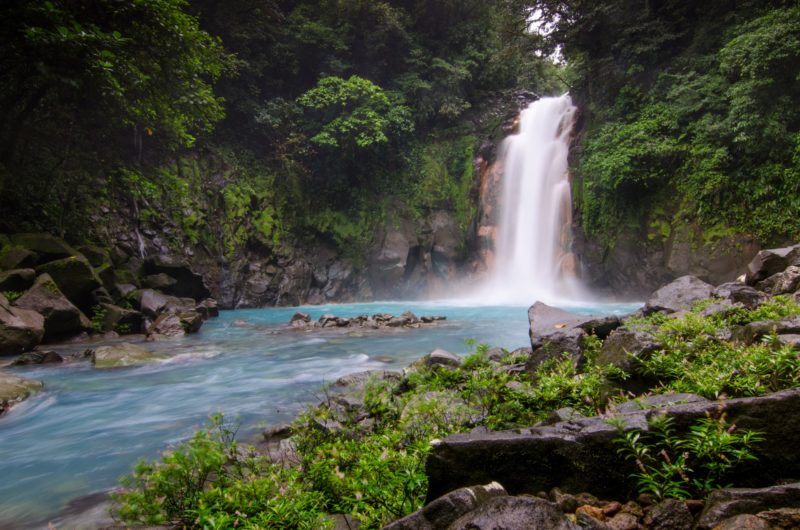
61 318
726 503
75 278
785 282
669 514
17 280
38 357
300 320
580 455
444 511
14 389
20 329
740 293
514 513
678 295
769 262
120 355
208 308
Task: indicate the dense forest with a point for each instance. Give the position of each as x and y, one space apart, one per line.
266 122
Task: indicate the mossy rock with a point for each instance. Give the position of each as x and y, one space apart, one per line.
61 317
97 256
125 354
76 279
14 389
48 247
17 258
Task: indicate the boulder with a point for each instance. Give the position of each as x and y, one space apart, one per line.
20 329
359 380
38 357
440 357
46 246
97 256
75 278
120 319
581 455
771 261
187 282
726 503
745 522
300 320
191 321
14 389
445 510
740 293
669 514
623 348
160 281
17 280
168 325
678 295
514 513
753 331
151 303
784 282
61 318
120 355
554 332
208 308
17 258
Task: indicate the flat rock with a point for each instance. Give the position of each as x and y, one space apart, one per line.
726 503
680 294
514 513
121 355
14 389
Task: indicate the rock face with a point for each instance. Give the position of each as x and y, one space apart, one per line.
61 318
184 281
121 355
678 295
14 389
20 329
580 455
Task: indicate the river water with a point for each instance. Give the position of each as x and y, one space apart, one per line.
89 426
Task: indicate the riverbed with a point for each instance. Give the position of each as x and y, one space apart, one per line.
89 426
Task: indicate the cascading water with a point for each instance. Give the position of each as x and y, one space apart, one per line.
532 260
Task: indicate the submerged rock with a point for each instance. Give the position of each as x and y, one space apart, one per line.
14 389
120 355
38 357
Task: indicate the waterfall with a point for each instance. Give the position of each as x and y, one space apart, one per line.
533 259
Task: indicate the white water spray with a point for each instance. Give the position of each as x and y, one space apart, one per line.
532 260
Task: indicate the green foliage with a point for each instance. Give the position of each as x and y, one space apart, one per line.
98 319
698 356
12 296
689 465
212 482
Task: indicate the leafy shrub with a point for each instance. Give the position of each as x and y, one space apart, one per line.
690 465
12 296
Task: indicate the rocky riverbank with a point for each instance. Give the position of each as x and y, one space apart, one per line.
52 292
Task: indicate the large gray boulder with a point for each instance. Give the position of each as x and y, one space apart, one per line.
514 513
554 331
581 455
737 292
680 294
121 319
623 348
45 246
75 278
784 282
771 261
726 503
17 279
14 389
61 318
20 329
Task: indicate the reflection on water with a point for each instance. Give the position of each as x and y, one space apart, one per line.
89 426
